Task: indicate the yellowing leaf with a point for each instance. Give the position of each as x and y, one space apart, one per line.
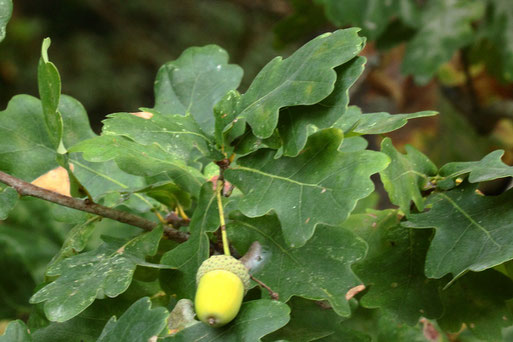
144 115
56 180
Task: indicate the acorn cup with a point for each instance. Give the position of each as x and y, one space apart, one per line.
222 281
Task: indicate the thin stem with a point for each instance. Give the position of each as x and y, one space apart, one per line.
161 219
273 294
232 158
182 213
219 191
27 189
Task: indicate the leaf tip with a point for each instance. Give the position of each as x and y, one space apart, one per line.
44 49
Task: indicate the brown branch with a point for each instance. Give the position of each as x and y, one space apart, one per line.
176 221
26 189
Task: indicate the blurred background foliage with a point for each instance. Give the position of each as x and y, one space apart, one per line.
455 56
108 53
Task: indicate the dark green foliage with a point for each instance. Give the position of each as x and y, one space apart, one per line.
301 173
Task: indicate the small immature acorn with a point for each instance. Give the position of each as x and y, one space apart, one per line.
222 281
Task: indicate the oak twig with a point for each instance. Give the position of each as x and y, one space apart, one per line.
27 189
273 294
176 221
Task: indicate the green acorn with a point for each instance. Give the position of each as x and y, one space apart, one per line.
222 283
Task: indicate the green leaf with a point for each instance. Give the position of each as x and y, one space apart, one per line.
79 328
446 26
478 300
371 15
142 160
319 178
353 144
138 323
473 232
16 283
349 120
81 173
369 202
24 138
296 122
497 50
75 120
346 335
76 240
406 175
188 256
379 123
394 267
89 324
195 82
85 327
24 253
8 199
178 135
255 320
98 179
354 122
489 168
26 246
307 271
167 193
225 113
16 332
249 143
304 78
311 322
5 15
381 326
49 84
389 329
107 270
